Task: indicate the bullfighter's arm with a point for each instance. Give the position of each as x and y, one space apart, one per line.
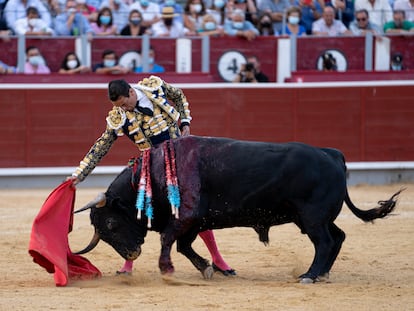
95 154
177 96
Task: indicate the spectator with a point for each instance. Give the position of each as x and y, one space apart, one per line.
87 10
104 25
293 17
247 6
259 75
120 12
5 31
327 25
247 74
407 6
399 25
276 9
362 25
311 11
178 9
239 26
32 25
134 27
168 27
217 10
6 69
344 10
16 9
71 65
397 62
329 62
94 3
53 7
109 64
379 11
194 10
210 27
150 11
35 63
265 25
153 66
70 22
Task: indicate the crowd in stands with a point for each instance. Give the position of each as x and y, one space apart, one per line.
247 19
169 18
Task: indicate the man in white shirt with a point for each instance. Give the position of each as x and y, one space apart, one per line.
168 26
32 24
327 25
407 6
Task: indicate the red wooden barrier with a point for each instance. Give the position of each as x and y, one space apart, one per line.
54 125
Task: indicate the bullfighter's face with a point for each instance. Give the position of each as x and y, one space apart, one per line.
119 229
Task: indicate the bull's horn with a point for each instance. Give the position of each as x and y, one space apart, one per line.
99 201
92 244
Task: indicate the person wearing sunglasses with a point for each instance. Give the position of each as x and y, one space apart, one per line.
362 25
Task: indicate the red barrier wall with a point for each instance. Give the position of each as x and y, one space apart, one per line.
55 125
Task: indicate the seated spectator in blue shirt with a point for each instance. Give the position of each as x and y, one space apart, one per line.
152 66
238 26
293 27
6 69
311 11
71 22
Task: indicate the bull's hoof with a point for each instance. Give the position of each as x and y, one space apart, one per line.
307 278
306 281
229 272
208 273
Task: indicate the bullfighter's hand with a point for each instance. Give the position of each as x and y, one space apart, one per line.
185 131
74 179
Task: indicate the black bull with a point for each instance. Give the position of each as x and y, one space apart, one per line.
227 183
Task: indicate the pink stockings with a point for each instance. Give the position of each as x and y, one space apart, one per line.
209 241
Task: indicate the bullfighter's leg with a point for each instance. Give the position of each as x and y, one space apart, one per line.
184 247
218 262
126 268
324 247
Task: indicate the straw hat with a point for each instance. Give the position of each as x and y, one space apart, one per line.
168 12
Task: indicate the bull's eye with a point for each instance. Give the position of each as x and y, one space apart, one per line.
111 224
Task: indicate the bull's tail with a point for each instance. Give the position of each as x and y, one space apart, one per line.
384 208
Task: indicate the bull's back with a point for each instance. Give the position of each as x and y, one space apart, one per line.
234 171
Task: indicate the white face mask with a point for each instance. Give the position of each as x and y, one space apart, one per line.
294 20
72 64
36 60
32 22
197 7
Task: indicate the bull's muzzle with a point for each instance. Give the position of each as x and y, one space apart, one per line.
134 255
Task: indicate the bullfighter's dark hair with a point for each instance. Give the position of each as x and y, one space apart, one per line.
117 88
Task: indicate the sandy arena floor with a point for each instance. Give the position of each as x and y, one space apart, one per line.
374 270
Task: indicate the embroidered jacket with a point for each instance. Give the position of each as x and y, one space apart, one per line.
142 129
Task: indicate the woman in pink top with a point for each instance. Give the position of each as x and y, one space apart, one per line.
35 63
104 25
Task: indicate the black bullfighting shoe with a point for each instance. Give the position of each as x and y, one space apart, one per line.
224 272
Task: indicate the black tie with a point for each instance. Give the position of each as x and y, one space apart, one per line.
145 111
